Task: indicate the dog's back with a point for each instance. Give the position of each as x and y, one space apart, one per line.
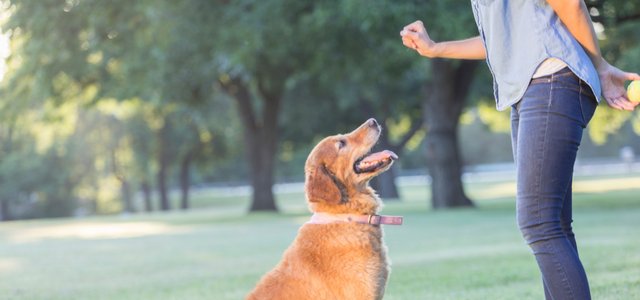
329 261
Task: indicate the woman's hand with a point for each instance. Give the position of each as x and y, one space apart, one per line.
415 37
611 80
575 15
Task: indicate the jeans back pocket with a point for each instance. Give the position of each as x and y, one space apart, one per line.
588 103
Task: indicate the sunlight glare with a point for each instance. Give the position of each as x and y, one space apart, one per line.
5 51
92 231
8 265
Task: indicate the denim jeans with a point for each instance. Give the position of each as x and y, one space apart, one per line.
546 129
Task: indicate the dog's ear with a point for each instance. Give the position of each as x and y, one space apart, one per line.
320 186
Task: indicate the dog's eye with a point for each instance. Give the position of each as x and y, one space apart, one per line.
341 144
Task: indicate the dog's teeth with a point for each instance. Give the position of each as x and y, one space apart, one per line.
367 164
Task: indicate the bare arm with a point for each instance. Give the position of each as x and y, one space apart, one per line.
574 14
415 37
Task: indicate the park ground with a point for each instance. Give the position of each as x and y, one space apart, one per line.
219 252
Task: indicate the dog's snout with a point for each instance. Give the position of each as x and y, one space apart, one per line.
372 122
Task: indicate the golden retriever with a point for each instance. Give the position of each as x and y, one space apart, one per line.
339 253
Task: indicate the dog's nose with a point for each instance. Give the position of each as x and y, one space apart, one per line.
372 122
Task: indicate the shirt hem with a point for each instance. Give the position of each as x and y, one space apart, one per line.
500 107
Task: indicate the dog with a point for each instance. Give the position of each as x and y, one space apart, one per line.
339 254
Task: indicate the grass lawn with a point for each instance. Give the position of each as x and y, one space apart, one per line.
220 252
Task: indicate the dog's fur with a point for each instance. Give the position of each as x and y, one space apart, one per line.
345 260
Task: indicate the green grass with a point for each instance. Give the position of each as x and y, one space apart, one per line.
220 252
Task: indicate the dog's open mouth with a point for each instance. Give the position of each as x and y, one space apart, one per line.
373 162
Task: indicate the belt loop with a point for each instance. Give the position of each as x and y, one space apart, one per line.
580 93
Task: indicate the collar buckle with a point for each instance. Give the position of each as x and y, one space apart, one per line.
375 218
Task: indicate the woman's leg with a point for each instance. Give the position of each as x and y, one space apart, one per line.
565 224
515 120
547 132
566 217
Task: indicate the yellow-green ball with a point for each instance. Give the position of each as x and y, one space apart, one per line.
634 91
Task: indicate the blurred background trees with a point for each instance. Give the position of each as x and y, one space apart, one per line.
105 102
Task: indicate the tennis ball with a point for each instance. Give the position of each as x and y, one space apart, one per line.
633 90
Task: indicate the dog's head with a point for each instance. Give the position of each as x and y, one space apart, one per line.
339 168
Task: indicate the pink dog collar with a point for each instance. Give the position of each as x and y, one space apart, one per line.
326 218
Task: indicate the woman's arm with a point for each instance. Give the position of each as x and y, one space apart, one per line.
574 15
415 37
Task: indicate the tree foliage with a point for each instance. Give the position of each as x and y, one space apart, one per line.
104 100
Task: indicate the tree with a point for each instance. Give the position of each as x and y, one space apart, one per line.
450 86
384 183
257 59
86 49
616 24
381 71
104 48
358 65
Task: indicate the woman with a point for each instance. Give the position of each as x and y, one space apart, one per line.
547 66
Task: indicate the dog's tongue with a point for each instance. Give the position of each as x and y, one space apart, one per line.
380 156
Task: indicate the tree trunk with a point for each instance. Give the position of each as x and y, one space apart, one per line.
262 181
126 194
146 192
184 177
163 161
4 211
7 144
126 191
384 184
260 139
444 99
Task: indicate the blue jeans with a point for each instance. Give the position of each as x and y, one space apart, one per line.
546 129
